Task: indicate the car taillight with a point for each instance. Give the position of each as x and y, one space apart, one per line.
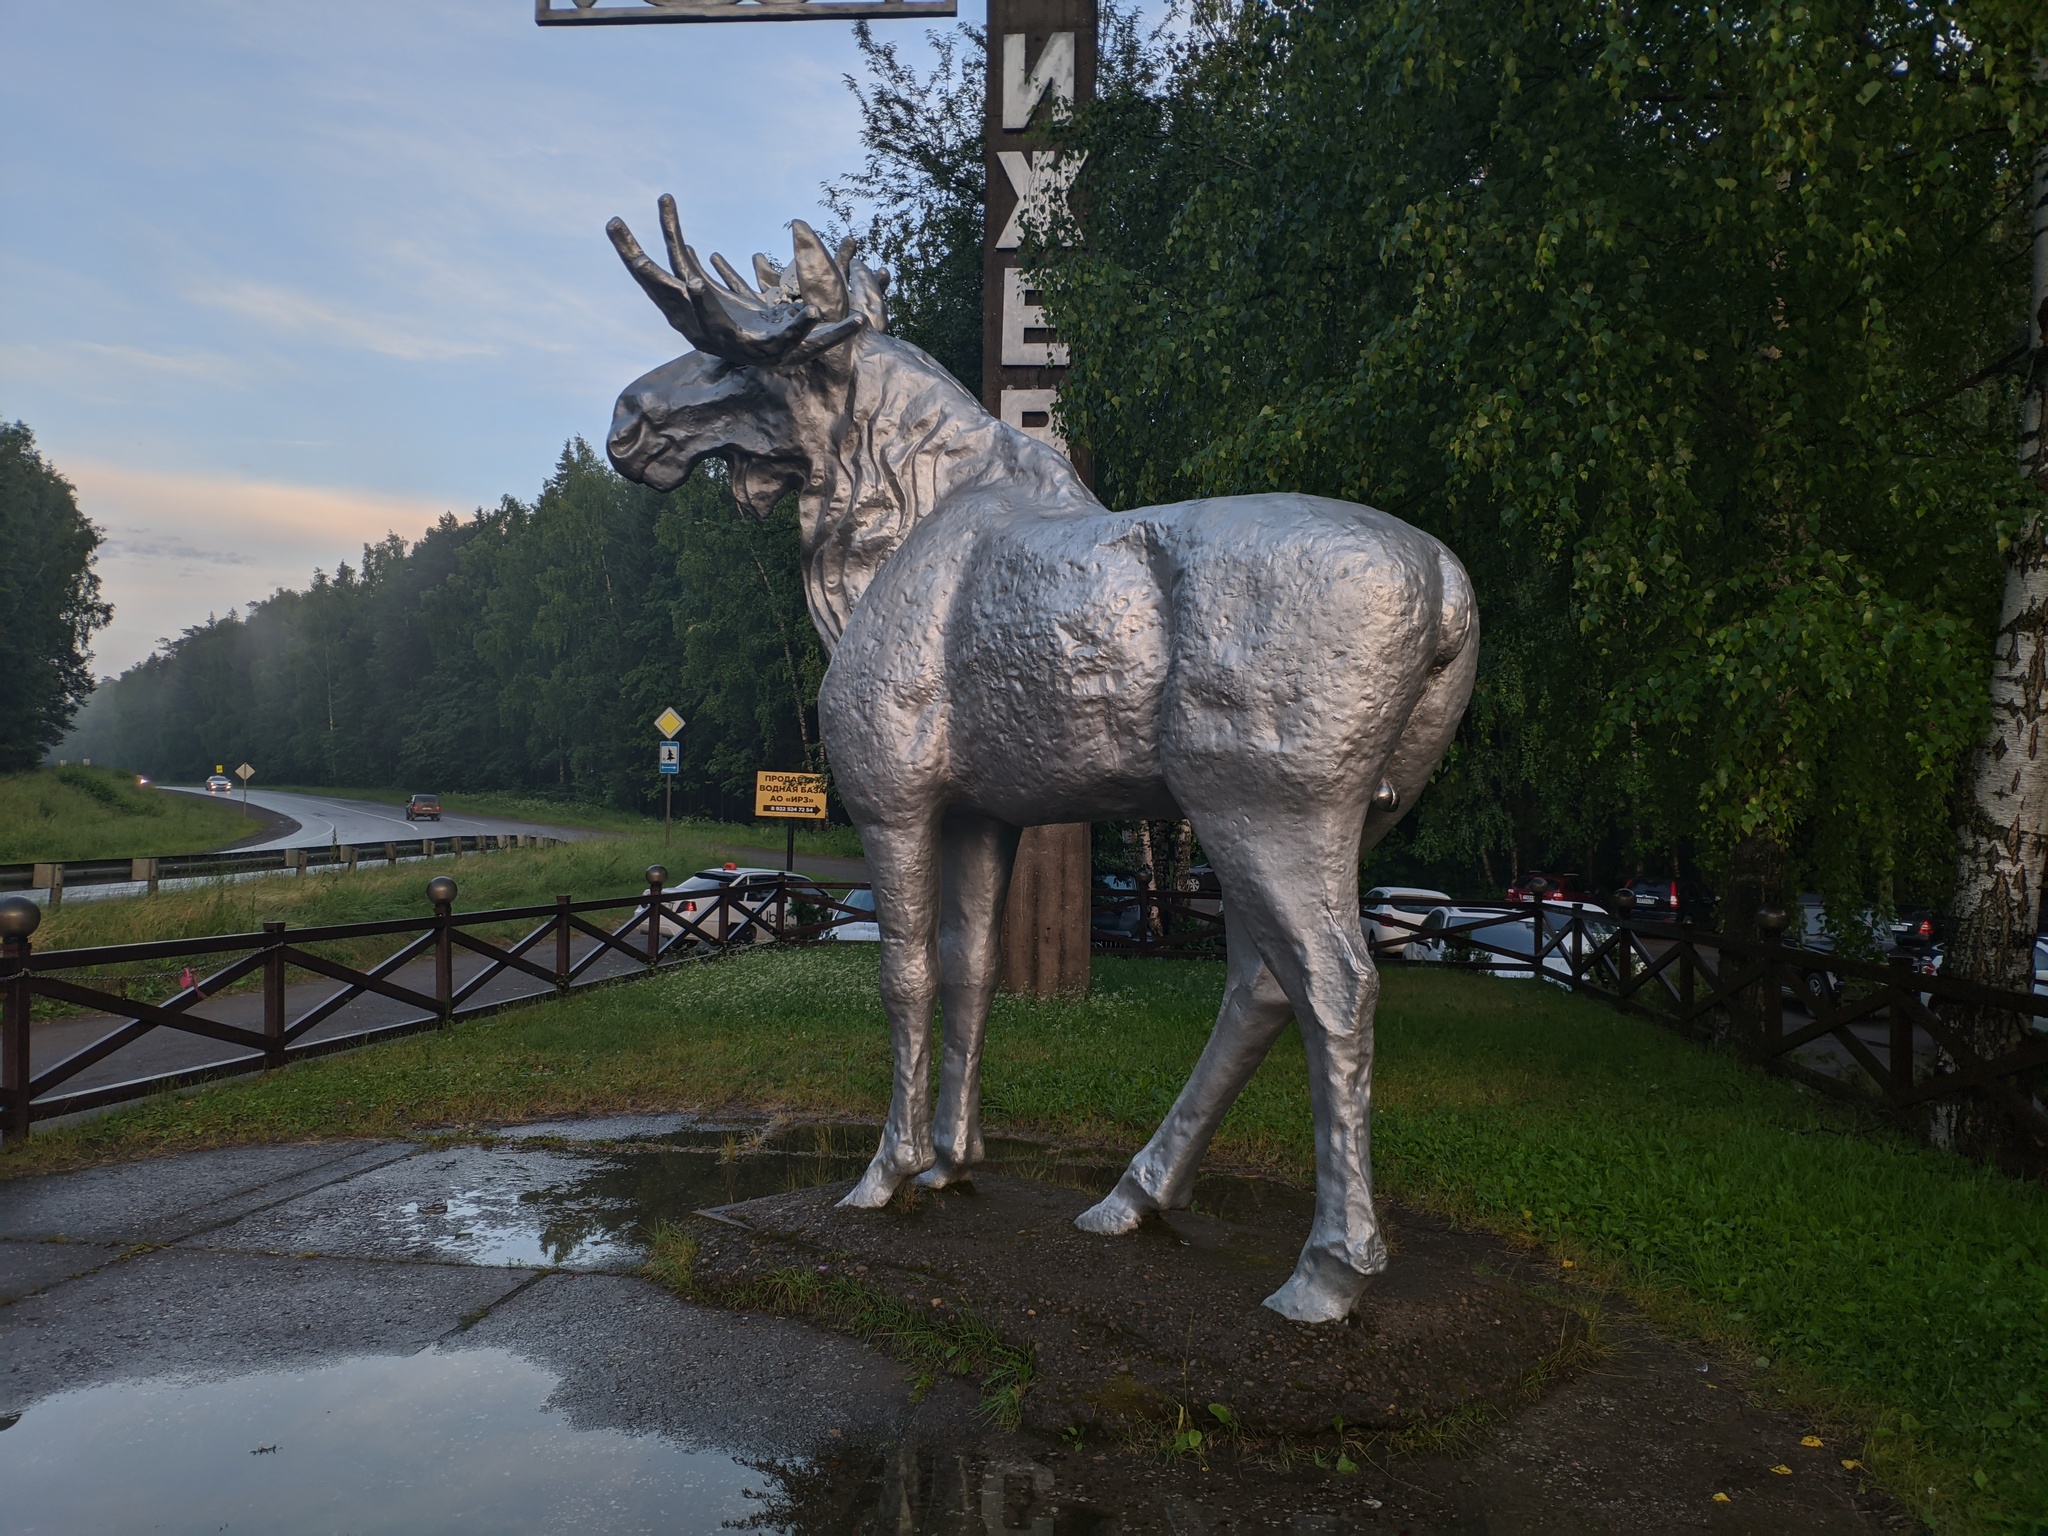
689 906
1672 899
1926 928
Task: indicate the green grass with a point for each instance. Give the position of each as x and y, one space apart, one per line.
54 814
1901 1295
563 811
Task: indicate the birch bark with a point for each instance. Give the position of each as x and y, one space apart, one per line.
2004 833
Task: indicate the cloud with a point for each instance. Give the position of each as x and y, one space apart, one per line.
297 314
211 367
182 546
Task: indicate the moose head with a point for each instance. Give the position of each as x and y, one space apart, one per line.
768 364
797 386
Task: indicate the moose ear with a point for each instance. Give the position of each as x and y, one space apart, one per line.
868 289
824 289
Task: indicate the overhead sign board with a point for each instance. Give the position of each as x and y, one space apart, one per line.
671 757
668 722
800 796
590 13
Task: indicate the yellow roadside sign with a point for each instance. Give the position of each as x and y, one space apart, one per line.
668 722
798 795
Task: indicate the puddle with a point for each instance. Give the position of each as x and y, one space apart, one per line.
460 1440
608 1216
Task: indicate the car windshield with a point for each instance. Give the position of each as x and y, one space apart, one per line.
861 901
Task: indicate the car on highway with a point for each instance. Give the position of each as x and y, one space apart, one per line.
219 784
1410 904
423 808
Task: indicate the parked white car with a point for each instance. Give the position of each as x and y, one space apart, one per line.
1510 938
852 931
1407 901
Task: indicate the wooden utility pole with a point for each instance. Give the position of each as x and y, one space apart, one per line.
1041 61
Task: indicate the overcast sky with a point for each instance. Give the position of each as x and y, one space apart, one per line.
282 276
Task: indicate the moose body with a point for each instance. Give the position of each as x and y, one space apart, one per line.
1285 671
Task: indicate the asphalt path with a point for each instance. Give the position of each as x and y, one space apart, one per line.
325 819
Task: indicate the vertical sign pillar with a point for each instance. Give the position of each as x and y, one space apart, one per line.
1041 60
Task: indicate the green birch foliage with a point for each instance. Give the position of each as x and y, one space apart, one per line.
1689 328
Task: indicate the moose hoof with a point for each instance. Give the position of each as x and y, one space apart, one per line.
877 1187
1321 1290
944 1174
1119 1212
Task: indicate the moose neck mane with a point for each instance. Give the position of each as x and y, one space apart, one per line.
910 440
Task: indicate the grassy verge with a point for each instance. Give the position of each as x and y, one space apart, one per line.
98 813
836 841
1897 1291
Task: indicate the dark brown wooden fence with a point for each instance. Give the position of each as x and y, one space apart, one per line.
1877 1034
617 938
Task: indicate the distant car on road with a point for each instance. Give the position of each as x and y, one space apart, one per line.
220 784
423 808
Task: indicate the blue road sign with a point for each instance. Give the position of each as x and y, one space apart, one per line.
671 757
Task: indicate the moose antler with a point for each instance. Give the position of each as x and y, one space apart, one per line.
729 320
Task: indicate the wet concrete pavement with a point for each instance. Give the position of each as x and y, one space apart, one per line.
372 1336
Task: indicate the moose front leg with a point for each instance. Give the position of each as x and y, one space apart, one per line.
976 853
902 863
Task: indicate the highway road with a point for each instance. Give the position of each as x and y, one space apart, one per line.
324 819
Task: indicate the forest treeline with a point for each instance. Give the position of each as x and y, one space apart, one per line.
49 601
525 647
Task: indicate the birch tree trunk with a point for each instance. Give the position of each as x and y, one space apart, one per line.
2004 833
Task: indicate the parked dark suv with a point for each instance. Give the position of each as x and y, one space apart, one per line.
423 808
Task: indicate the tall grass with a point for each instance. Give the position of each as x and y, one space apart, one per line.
1900 1290
99 813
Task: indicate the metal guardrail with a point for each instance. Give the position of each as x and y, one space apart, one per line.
661 929
56 876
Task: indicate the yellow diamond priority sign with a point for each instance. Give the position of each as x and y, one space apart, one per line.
797 795
668 722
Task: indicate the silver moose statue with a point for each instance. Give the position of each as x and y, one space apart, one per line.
1284 671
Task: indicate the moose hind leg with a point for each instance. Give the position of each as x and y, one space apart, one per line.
902 860
1162 1176
976 853
1293 885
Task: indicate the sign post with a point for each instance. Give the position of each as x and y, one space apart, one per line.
668 722
245 773
1041 63
791 798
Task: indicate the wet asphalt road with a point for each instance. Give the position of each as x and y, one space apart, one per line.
324 820
376 1336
